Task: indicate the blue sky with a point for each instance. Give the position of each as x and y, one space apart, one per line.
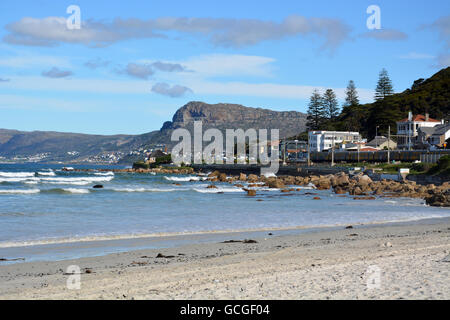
134 63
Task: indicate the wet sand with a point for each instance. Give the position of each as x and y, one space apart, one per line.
413 260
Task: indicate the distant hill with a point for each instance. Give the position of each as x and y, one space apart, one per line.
58 144
222 116
425 96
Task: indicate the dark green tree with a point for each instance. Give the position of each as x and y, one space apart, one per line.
330 105
316 112
351 110
351 95
384 86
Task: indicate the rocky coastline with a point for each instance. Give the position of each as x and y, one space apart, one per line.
360 186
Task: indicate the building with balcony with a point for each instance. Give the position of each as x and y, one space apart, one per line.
408 129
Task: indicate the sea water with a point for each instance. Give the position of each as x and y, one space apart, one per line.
42 205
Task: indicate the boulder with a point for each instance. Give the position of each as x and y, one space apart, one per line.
211 187
98 186
289 180
251 193
323 184
242 177
275 184
214 174
439 199
339 190
252 178
222 177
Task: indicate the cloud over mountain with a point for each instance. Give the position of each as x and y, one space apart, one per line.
165 89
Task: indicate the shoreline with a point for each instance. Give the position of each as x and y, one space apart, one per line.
313 259
160 241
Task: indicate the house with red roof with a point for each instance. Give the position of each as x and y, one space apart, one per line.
408 129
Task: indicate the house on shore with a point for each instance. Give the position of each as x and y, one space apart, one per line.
154 155
440 135
408 129
381 142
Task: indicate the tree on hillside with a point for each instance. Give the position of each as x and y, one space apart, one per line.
351 110
316 112
351 95
384 86
330 105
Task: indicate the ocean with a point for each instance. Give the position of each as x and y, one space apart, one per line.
45 211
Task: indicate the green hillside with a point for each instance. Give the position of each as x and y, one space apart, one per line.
425 96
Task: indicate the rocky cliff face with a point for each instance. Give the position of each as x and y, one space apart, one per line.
234 116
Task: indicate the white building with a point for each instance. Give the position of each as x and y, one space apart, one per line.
324 140
407 129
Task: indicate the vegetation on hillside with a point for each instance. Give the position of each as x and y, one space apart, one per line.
425 96
442 168
167 159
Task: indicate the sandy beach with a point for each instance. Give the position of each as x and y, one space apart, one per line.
400 261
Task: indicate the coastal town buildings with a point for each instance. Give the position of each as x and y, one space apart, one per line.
408 129
381 143
324 140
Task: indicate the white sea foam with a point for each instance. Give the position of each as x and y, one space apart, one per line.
20 191
23 179
16 174
218 190
270 175
47 173
74 190
109 173
142 190
76 180
184 179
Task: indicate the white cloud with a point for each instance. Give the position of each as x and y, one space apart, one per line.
442 25
224 32
230 65
56 73
28 61
98 86
443 60
269 90
175 91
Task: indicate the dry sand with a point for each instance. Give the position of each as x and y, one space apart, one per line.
413 260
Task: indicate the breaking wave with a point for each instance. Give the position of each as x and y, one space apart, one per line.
184 179
20 191
142 190
218 190
16 174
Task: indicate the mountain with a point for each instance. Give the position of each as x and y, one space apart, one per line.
425 96
234 116
80 147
